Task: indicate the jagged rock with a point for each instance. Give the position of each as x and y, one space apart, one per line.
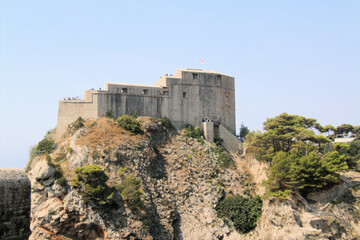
42 171
182 185
58 190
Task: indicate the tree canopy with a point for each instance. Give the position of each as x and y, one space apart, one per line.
300 157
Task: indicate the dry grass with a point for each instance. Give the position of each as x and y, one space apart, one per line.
106 132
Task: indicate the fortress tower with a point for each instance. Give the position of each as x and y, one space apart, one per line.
191 96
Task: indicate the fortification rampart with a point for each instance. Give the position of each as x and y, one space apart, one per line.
187 97
14 204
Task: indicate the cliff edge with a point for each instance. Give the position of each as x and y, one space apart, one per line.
178 181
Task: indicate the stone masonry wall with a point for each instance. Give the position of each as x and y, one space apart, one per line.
14 204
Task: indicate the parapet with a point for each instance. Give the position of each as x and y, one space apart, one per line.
15 202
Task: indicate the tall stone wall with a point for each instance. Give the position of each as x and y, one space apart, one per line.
231 143
187 97
14 204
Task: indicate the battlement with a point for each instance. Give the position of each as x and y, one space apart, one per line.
186 97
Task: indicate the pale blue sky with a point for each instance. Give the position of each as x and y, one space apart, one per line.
300 57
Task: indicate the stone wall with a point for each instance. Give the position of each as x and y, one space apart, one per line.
14 204
231 142
186 97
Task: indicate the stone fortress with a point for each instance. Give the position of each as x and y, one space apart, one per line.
191 96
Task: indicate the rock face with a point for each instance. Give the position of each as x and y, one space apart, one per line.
181 183
14 204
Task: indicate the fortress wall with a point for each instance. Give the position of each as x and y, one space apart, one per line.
71 110
186 98
183 106
14 204
129 104
231 142
134 89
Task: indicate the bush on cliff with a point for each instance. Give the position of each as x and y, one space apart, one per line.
130 191
90 181
165 122
196 133
243 212
46 145
130 124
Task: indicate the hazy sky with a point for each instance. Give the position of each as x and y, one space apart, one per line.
299 57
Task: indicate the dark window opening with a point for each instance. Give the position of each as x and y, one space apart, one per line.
166 93
218 77
184 95
145 91
194 76
124 90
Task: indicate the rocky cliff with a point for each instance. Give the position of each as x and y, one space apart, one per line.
182 181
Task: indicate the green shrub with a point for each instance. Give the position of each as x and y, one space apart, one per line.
282 194
243 212
110 114
196 133
62 181
95 155
307 173
130 124
69 149
130 192
46 145
223 158
78 123
118 156
121 172
60 158
90 181
165 122
218 141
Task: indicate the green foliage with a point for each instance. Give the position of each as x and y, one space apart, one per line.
344 129
130 124
60 158
305 173
292 147
77 124
330 130
69 149
165 122
243 212
223 158
196 133
283 133
130 192
121 172
62 181
46 145
118 156
110 114
90 181
243 131
95 155
218 141
282 194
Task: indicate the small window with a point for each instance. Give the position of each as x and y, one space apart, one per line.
195 76
145 91
218 77
184 95
124 90
166 93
